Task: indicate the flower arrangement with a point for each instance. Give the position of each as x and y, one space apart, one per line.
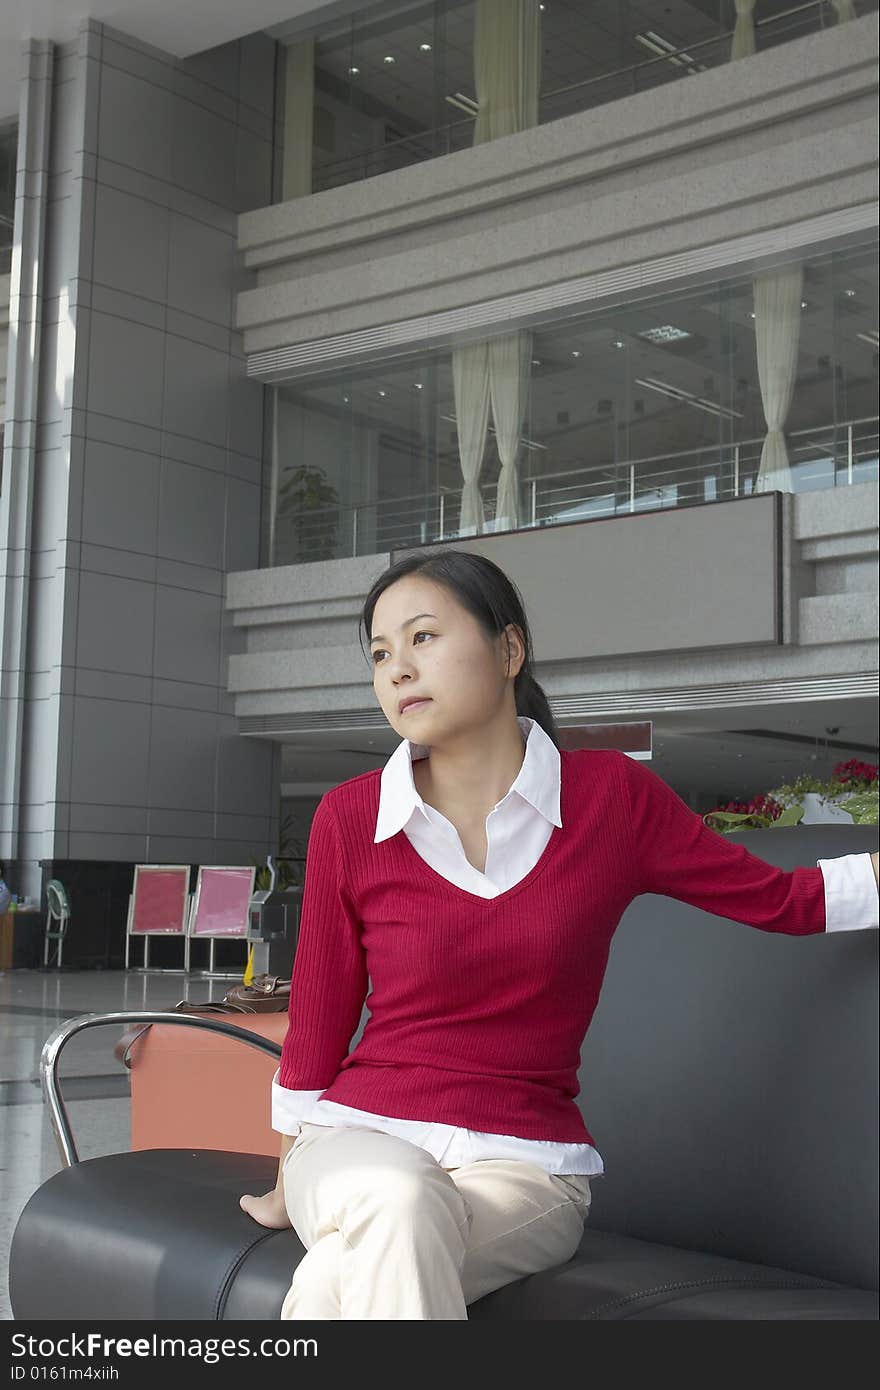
852 776
856 774
852 786
760 813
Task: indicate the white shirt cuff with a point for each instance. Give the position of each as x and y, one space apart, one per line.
290 1108
851 898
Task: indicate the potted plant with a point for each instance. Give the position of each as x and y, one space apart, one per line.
289 862
816 796
308 501
761 813
849 796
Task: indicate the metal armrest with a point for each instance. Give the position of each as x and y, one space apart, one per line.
54 1044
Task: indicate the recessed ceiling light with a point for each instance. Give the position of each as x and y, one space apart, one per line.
354 71
752 314
850 294
345 400
417 385
575 353
664 333
656 43
618 343
383 393
536 361
803 304
389 58
464 103
424 48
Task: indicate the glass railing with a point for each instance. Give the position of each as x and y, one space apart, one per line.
666 64
823 457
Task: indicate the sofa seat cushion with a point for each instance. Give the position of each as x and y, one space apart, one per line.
159 1235
613 1277
156 1234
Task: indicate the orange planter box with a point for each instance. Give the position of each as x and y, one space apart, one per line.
194 1089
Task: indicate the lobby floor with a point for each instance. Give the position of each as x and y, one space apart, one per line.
94 1085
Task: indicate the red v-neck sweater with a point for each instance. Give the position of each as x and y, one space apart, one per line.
479 1006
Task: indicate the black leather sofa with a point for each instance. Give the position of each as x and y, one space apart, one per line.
730 1080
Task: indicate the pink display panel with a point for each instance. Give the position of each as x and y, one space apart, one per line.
223 897
160 895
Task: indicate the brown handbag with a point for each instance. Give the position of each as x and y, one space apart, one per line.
265 994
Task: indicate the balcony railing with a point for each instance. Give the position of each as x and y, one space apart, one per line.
823 457
668 66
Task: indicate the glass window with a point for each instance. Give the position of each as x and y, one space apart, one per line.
396 84
656 403
8 156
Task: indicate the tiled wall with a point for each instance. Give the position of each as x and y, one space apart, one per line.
4 339
149 460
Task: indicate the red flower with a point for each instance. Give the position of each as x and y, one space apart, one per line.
761 805
854 773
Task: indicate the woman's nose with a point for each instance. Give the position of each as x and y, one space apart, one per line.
401 666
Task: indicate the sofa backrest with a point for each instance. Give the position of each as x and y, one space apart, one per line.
729 1079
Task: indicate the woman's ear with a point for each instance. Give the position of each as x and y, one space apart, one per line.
514 649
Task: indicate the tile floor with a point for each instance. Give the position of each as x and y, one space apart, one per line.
95 1087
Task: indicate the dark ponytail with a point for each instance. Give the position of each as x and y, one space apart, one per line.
531 701
494 600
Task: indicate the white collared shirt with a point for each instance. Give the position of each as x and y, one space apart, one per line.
518 829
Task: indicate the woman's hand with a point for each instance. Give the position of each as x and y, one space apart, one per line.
270 1210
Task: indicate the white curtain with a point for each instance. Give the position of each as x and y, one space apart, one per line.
744 32
777 330
509 362
299 103
507 66
845 10
470 379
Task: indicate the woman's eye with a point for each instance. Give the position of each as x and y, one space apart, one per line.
380 651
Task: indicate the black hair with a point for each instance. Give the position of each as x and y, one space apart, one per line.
494 600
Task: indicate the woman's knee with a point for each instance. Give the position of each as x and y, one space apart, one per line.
411 1194
400 1188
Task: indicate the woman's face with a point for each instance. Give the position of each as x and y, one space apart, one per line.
443 657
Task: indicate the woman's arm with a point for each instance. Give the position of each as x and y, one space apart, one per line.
327 991
329 979
676 854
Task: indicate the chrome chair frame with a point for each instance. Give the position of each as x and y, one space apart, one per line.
57 1041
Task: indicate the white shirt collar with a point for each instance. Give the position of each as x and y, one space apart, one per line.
537 782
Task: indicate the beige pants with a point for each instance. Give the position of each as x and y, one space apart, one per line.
389 1233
